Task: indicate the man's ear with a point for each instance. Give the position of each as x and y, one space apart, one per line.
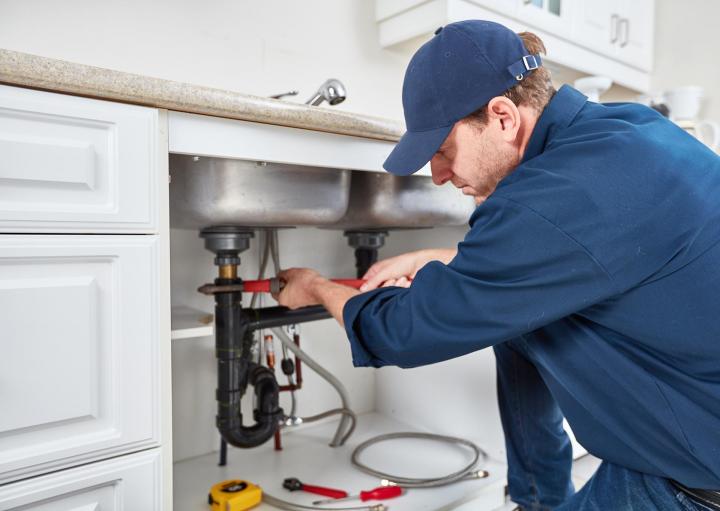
503 111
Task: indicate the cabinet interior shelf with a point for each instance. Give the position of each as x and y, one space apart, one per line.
187 322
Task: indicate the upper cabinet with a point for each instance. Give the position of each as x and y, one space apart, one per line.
620 30
600 37
555 16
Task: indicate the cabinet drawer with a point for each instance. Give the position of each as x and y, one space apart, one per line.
128 483
79 363
70 164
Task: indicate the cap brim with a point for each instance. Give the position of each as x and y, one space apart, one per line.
414 150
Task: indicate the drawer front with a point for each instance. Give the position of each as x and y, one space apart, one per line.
128 483
79 363
70 164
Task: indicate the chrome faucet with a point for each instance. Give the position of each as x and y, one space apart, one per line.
283 94
332 91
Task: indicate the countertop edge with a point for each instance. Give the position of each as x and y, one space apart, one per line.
33 71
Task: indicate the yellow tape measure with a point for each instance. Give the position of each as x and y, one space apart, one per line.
234 495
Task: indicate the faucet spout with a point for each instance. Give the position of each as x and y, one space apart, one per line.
332 91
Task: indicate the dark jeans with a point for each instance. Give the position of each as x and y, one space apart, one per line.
539 453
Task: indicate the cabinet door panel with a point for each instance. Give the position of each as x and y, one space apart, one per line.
128 483
554 16
595 25
79 350
636 33
74 164
504 7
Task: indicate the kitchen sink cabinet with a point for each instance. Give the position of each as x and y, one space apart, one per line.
85 290
79 350
84 295
127 483
74 164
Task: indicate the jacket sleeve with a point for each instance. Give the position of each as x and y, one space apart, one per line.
515 271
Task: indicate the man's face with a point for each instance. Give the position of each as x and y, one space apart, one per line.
474 158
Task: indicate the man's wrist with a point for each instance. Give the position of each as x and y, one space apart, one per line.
314 286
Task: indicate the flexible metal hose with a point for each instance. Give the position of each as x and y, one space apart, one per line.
467 472
335 411
344 429
263 266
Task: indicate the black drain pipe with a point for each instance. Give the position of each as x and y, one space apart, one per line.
234 327
236 371
273 317
233 343
366 244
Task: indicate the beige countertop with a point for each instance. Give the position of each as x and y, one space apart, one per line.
57 75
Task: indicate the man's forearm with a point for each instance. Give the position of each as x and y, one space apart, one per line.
333 297
444 255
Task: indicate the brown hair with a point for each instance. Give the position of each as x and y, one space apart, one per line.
534 90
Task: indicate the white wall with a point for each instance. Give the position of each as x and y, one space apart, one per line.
455 397
686 49
259 47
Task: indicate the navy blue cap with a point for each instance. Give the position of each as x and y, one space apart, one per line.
459 70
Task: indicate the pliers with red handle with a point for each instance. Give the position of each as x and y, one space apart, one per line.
294 484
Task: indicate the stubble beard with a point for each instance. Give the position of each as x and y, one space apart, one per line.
496 164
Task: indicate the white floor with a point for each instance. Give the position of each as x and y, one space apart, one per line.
306 455
583 469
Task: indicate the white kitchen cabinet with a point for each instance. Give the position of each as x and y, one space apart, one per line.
635 33
506 7
611 38
555 16
80 351
71 164
596 26
618 29
203 135
128 483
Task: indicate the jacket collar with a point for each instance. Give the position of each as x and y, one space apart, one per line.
558 114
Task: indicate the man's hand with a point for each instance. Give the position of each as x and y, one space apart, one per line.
300 287
305 287
400 270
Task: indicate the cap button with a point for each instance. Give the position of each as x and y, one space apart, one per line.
438 30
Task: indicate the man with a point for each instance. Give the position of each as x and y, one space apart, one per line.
592 266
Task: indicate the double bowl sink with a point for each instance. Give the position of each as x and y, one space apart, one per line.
218 191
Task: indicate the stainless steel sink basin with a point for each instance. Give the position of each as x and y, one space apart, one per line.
220 191
215 191
380 200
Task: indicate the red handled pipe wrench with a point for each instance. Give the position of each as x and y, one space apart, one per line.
275 285
294 484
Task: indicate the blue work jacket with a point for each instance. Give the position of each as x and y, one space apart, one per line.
601 250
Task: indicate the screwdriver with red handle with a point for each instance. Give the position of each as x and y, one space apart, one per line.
379 493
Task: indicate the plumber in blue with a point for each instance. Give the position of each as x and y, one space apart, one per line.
592 267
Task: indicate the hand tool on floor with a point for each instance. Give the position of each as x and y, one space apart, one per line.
234 495
294 484
379 493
